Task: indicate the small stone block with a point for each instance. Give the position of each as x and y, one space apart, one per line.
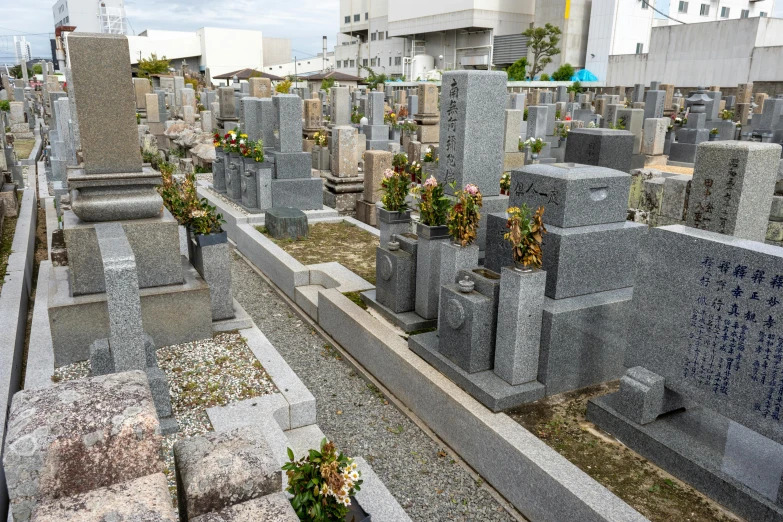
109 420
600 147
286 223
465 328
221 469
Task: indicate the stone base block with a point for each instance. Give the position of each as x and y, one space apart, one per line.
365 212
343 201
221 469
378 144
407 321
428 134
486 387
638 161
491 204
583 340
376 132
105 431
145 498
304 194
155 245
659 159
570 256
735 466
293 165
171 314
682 153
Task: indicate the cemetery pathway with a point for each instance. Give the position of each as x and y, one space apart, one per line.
426 482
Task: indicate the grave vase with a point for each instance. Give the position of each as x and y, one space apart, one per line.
714 137
395 134
321 158
392 222
429 168
234 190
209 255
249 184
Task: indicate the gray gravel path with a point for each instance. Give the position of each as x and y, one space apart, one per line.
423 479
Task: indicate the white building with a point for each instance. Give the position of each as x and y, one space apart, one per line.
22 50
739 51
91 16
410 38
696 11
572 17
303 66
617 27
207 48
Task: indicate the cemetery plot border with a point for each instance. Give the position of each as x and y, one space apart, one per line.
14 301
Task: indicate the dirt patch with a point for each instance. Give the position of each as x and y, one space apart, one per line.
560 422
6 241
342 242
23 148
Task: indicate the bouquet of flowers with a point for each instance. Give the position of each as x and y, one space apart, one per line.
505 183
255 150
525 235
322 483
414 169
399 161
217 139
429 157
433 204
320 139
464 215
395 186
535 144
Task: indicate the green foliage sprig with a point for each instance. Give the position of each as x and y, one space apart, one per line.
395 186
464 216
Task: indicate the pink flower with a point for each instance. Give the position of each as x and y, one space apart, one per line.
431 182
471 189
388 173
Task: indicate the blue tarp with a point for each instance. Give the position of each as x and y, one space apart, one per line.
584 76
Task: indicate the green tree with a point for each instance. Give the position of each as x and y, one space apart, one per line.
374 79
576 87
16 72
327 84
516 71
153 65
545 77
37 68
283 87
564 73
544 43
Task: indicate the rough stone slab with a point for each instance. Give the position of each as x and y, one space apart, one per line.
484 386
583 340
286 223
256 410
304 194
110 420
707 458
40 355
275 507
221 469
145 499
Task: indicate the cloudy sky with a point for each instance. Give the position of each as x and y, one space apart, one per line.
305 22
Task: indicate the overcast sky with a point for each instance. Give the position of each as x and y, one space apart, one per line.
305 22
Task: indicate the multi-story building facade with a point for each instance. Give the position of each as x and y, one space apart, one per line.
91 16
410 38
695 11
22 51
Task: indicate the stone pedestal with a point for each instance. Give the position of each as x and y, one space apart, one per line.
211 257
286 223
519 325
454 258
428 275
219 170
396 277
465 323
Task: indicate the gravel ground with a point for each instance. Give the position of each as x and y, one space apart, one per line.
226 200
420 475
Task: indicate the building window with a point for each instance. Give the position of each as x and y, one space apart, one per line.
705 10
745 13
390 60
373 36
353 64
724 12
380 35
398 60
683 7
357 18
639 48
387 35
348 19
644 4
366 16
364 62
762 14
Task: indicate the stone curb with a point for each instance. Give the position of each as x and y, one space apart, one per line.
14 301
537 480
